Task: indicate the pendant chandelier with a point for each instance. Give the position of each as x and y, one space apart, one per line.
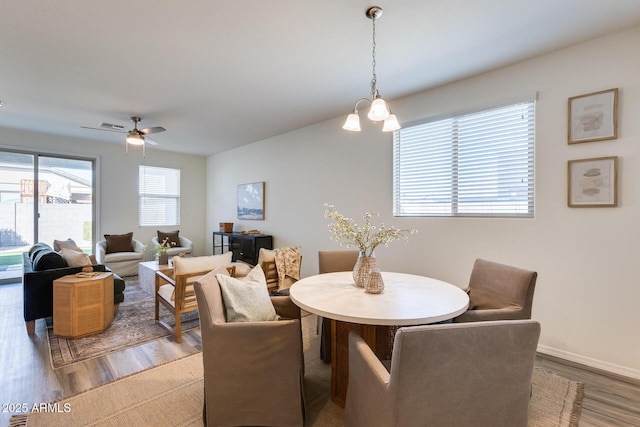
379 110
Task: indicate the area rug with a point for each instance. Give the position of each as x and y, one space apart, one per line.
134 324
172 395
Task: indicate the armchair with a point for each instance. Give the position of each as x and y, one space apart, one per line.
498 292
122 263
186 246
281 267
472 374
256 365
174 288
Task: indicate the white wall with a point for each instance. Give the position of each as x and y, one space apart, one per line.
587 290
118 183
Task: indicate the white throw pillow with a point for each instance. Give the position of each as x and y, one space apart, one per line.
74 258
247 300
59 245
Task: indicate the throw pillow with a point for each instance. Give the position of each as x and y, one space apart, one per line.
266 255
48 260
247 300
119 242
172 236
185 265
59 245
74 258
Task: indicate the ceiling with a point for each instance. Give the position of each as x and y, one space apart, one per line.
221 74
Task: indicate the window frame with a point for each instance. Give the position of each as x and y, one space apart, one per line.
449 186
153 198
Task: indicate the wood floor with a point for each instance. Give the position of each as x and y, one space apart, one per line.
26 375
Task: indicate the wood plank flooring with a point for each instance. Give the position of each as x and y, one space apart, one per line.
26 375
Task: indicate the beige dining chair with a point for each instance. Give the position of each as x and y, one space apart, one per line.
498 292
471 374
331 262
253 371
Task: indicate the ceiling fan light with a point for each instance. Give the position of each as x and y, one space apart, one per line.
379 110
135 139
352 123
391 124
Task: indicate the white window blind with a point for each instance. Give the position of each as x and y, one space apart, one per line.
159 192
475 164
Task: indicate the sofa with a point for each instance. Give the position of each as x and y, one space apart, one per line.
40 267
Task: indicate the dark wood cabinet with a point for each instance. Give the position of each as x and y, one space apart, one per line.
245 247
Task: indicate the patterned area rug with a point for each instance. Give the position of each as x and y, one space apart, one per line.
133 325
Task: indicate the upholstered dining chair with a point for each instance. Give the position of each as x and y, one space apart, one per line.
472 374
174 287
253 370
332 262
498 292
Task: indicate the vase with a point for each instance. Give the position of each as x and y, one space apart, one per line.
163 259
374 283
363 266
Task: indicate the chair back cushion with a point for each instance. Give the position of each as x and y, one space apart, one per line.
247 300
494 285
209 297
119 242
334 261
470 373
188 265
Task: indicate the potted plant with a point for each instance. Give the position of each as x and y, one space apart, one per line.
161 251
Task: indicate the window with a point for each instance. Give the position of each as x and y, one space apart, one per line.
475 164
159 192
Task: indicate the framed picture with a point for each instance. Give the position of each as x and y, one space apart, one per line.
593 182
251 201
593 117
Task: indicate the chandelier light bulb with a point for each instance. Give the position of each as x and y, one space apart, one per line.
352 123
379 110
391 124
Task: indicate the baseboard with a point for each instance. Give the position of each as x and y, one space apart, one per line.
594 363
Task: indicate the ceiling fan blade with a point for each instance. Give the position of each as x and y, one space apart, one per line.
105 129
150 141
156 129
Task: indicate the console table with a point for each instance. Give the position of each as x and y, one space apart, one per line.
245 247
82 305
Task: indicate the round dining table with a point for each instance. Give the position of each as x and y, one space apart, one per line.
406 300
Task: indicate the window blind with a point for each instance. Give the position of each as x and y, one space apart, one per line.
159 193
474 164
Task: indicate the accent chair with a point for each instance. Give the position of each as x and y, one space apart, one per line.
471 374
253 370
498 292
121 253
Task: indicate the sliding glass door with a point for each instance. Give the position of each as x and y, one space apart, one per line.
43 198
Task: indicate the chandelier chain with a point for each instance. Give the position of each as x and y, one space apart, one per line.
374 78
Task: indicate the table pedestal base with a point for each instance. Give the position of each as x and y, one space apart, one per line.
379 338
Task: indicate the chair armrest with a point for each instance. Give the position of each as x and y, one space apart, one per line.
368 382
285 307
185 242
138 246
101 249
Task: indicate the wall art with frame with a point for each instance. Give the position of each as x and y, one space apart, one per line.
593 117
251 201
593 182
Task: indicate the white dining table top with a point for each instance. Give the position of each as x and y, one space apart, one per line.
407 299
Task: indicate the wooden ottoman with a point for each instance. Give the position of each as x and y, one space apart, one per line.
82 305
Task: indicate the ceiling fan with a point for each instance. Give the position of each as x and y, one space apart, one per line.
135 136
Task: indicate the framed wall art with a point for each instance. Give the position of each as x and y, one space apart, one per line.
251 201
593 182
593 117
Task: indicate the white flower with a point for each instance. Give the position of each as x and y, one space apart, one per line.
163 247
